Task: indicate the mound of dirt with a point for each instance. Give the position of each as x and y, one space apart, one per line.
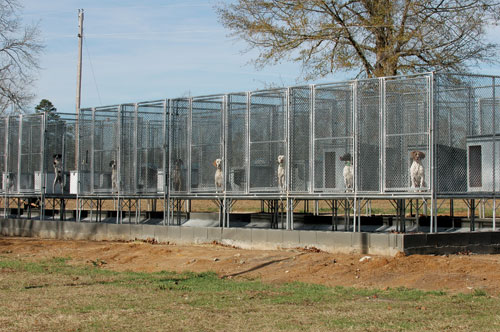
454 273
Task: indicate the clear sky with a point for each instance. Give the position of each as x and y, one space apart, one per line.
148 50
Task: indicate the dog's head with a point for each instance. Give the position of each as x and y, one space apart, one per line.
112 164
218 163
57 159
417 155
281 159
346 157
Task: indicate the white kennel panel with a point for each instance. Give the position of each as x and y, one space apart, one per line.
84 182
160 182
480 165
49 180
9 183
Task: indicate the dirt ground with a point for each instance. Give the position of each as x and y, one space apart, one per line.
454 273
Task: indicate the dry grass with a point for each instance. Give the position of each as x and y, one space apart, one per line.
55 296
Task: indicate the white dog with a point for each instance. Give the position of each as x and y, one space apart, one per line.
114 176
10 178
281 172
58 171
219 179
348 171
177 175
417 172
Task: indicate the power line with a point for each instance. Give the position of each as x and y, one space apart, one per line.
92 69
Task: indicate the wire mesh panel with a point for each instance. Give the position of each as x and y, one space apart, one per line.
236 143
3 150
267 139
368 113
333 138
105 158
10 176
30 150
127 165
407 134
81 179
465 142
150 143
206 142
179 109
300 138
59 153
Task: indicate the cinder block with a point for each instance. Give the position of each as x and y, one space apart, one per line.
161 234
379 240
453 239
48 230
325 239
200 234
237 234
483 238
174 233
187 235
26 227
145 231
291 239
432 239
99 231
342 239
274 236
72 231
118 232
214 234
361 241
307 238
259 236
414 240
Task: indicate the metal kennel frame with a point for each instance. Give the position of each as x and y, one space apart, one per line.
364 128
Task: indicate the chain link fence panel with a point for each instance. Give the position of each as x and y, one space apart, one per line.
267 139
368 113
300 138
333 138
236 143
179 109
206 142
407 112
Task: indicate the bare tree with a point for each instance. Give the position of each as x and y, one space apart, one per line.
20 47
373 37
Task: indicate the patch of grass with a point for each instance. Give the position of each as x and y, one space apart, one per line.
53 295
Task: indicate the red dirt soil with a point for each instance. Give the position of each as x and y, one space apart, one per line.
452 273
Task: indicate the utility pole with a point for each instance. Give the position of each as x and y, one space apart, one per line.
79 70
78 84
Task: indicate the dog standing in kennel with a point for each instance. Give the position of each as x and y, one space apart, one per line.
348 171
58 173
114 176
219 178
281 172
417 171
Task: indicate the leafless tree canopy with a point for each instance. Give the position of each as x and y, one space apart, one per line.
19 50
376 37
